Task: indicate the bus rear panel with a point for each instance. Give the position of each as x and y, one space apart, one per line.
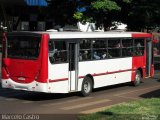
24 62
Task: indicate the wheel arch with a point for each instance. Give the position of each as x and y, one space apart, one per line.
87 85
137 77
89 75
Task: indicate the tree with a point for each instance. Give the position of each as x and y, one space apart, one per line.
103 12
137 14
143 14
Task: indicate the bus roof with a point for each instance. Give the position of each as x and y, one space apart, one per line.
109 34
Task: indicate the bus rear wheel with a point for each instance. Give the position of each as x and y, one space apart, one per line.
137 79
87 86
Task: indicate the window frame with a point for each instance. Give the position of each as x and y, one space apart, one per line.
30 36
134 47
91 48
58 40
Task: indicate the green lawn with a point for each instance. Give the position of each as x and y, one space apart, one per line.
146 109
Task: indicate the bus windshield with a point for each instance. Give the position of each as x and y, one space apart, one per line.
23 47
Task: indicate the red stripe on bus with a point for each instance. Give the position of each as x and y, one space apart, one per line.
95 74
141 35
81 76
58 80
99 74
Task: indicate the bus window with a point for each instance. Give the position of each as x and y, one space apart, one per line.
99 49
85 50
138 47
114 48
57 52
127 49
51 45
23 47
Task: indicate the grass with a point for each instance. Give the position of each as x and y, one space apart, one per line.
146 109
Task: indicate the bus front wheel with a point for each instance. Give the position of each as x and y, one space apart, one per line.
87 86
137 79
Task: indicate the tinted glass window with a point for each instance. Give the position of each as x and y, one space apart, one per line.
57 51
114 48
99 49
85 50
23 47
127 49
99 43
138 47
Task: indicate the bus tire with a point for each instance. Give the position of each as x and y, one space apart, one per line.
137 79
87 86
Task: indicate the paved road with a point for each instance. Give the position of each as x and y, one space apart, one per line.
71 105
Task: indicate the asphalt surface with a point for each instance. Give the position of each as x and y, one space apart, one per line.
71 106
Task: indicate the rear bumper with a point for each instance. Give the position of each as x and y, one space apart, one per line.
33 86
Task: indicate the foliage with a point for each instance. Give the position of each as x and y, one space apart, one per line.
137 14
105 5
78 15
103 12
143 14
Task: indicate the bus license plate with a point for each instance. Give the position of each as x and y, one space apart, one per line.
21 78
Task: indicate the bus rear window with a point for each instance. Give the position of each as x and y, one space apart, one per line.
23 47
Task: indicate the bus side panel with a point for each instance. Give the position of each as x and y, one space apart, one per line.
138 62
58 77
107 72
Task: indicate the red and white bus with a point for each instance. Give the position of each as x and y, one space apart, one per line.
64 62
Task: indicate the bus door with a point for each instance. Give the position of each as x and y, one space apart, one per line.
149 57
73 66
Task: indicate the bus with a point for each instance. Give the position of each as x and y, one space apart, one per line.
64 62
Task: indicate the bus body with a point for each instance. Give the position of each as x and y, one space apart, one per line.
63 62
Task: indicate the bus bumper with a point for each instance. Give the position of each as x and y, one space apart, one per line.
33 86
